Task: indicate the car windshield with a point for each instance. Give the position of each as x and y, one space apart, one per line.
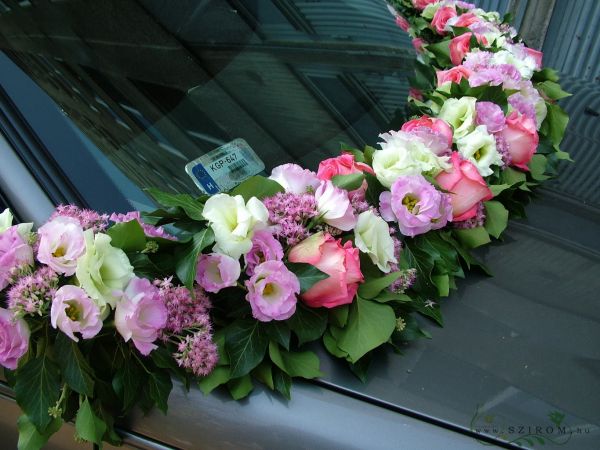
144 88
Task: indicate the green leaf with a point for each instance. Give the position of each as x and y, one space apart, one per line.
369 154
545 74
557 121
308 323
472 237
371 288
295 364
30 438
264 373
537 166
127 382
257 186
159 387
279 332
192 207
511 176
348 182
496 218
187 256
220 375
37 389
361 368
370 324
552 90
358 155
441 50
89 426
282 382
330 343
387 296
339 315
307 274
498 188
75 369
128 236
443 284
246 343
240 387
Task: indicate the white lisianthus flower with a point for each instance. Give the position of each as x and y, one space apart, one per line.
460 113
6 219
103 270
488 16
334 206
372 236
524 63
479 147
405 154
233 222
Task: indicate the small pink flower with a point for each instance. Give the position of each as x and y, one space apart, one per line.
264 248
217 271
340 262
522 139
453 75
73 311
61 243
14 339
140 314
295 179
272 291
402 23
421 4
419 45
466 186
441 17
415 93
14 252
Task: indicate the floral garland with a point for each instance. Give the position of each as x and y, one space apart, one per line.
345 255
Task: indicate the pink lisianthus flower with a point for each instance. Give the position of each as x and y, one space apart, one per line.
416 205
490 115
453 75
340 262
295 179
466 186
441 17
334 206
73 311
217 271
14 253
61 243
264 248
140 314
419 45
14 339
521 138
437 128
272 291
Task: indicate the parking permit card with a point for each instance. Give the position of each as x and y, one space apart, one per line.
225 167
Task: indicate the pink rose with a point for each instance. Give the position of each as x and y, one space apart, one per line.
402 23
140 314
415 93
217 271
341 263
419 45
466 186
536 55
61 243
465 20
342 165
14 339
421 4
272 292
441 17
438 126
459 47
453 75
73 311
14 252
521 138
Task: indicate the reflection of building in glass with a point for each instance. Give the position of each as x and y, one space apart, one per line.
154 88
